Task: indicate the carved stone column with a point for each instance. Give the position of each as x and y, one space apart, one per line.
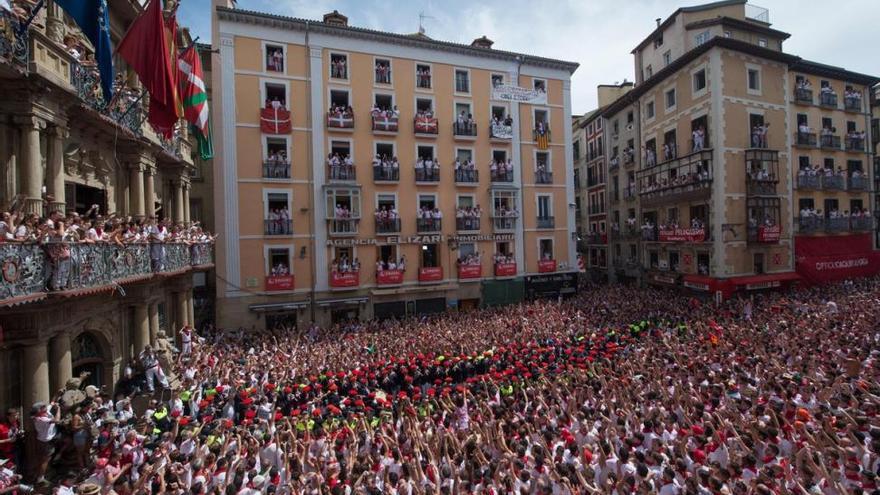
60 361
150 191
35 375
136 189
55 168
178 201
32 165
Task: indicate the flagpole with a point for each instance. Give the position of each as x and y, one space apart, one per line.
24 25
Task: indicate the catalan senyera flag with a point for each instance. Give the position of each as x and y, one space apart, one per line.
194 96
542 139
145 48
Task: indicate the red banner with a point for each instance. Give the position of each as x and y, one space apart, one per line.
430 274
426 125
275 120
546 266
344 279
340 121
389 277
470 271
769 234
279 282
832 258
682 235
385 124
505 269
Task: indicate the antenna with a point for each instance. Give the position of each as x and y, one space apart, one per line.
422 18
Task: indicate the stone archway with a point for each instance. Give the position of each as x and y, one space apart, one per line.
93 348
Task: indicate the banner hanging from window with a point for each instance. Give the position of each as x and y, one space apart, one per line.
509 92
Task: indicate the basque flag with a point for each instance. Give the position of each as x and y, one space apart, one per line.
93 18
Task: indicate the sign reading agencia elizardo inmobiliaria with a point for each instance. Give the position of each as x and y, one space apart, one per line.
418 239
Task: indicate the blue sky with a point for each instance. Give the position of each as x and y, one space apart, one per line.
599 34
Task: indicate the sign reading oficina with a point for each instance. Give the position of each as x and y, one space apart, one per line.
510 92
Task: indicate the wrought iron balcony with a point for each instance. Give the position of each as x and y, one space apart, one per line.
833 182
463 176
124 109
837 224
33 271
345 173
805 138
13 43
852 103
858 183
276 170
427 175
758 187
467 223
499 176
808 182
277 227
861 224
810 225
466 130
802 95
546 222
386 174
387 225
543 177
343 226
425 225
855 144
504 224
828 99
829 141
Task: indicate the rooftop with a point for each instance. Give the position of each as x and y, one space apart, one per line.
420 41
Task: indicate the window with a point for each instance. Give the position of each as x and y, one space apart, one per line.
541 117
385 151
615 126
425 152
670 98
274 58
545 247
343 202
754 79
599 125
424 105
338 66
545 206
462 81
649 71
383 71
279 261
276 93
658 41
762 42
423 76
649 110
629 118
339 98
576 150
276 213
539 85
542 159
384 101
430 259
701 38
699 80
497 79
667 57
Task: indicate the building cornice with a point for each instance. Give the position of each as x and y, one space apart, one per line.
291 23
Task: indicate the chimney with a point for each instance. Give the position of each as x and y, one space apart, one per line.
335 19
658 21
482 42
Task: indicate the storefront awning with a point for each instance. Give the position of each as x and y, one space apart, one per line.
277 307
343 302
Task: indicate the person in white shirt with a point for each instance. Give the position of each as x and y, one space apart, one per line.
45 418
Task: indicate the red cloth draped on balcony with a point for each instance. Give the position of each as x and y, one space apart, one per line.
832 258
469 271
341 121
427 125
389 277
682 235
385 123
769 233
344 279
430 274
279 282
505 269
546 266
275 120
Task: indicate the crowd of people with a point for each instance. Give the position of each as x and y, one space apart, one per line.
470 259
387 219
465 170
423 77
340 116
501 170
380 112
465 124
502 258
341 167
278 221
501 126
343 264
468 217
338 68
275 59
386 167
617 390
759 135
383 72
672 181
427 169
390 264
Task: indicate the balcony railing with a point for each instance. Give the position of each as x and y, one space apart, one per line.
858 183
277 227
852 103
500 131
626 233
545 222
343 226
464 129
861 224
276 170
855 144
597 238
829 141
543 177
424 225
340 120
32 271
463 176
499 176
342 172
802 95
816 224
757 187
833 182
630 192
805 139
809 182
344 280
810 225
124 108
685 179
504 223
426 126
386 174
13 43
427 175
837 224
385 124
389 277
828 99
387 225
467 223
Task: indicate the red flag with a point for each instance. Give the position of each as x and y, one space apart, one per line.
146 50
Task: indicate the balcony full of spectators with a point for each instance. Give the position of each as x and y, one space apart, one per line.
501 171
762 167
385 120
276 166
343 222
427 171
803 92
344 273
542 175
852 101
387 221
857 181
829 140
470 266
855 141
541 134
464 127
827 97
466 172
813 221
504 219
278 223
340 118
429 220
766 231
501 128
684 179
386 169
340 169
468 218
425 123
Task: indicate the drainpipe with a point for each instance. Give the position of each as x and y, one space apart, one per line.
312 266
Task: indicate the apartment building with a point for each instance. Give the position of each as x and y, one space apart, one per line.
370 174
624 160
753 168
91 307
